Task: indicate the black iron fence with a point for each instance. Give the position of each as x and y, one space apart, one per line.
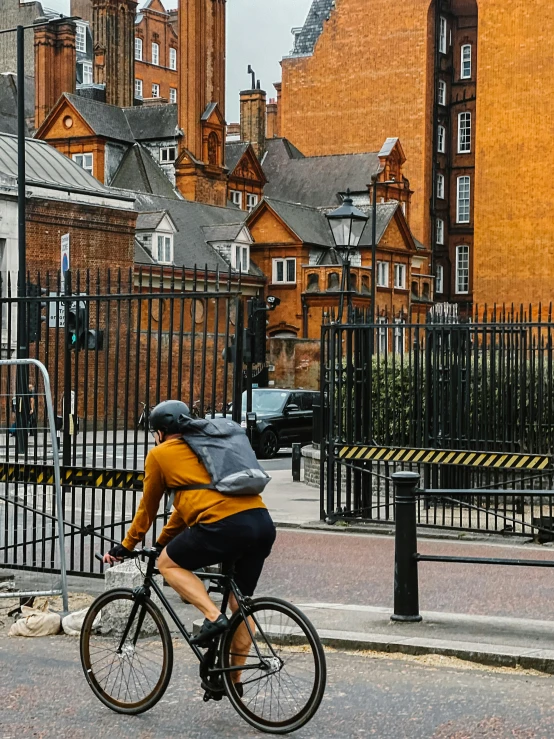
479 393
114 346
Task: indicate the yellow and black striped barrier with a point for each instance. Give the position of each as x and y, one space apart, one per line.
88 477
493 460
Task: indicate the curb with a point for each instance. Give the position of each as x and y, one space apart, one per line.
422 532
491 655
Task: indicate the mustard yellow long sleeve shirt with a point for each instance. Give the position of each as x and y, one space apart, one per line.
172 465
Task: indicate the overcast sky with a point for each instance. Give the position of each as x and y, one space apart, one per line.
258 34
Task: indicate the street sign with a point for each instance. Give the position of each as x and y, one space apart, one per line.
55 308
64 256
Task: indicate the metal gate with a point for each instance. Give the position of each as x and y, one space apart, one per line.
114 346
468 405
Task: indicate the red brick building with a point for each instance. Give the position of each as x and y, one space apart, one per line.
156 53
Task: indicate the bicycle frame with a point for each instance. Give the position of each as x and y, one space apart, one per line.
228 586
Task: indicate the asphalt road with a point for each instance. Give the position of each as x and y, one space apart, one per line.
43 695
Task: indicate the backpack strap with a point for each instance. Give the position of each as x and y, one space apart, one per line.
171 493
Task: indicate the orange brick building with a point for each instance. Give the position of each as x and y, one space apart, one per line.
156 53
458 84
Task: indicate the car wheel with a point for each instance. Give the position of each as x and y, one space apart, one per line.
269 445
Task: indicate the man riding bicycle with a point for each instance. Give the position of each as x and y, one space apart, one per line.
206 527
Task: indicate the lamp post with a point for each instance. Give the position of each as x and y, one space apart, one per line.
347 224
375 182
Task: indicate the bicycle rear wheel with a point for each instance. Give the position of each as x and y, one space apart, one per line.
284 674
128 676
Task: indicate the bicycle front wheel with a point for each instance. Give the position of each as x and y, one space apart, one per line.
126 651
283 675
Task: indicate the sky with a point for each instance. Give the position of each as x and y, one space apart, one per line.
259 33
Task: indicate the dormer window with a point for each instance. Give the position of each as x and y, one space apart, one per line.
241 257
163 248
168 154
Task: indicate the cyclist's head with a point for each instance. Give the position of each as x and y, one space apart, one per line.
169 417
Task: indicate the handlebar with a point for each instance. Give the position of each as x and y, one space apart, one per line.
150 552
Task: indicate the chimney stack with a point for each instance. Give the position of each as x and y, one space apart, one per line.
253 104
113 31
55 65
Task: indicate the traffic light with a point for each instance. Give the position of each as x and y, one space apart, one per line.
80 336
35 308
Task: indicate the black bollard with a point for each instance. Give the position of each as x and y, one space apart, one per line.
296 461
406 589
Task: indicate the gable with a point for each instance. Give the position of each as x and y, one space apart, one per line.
155 5
266 227
64 122
248 168
397 234
212 116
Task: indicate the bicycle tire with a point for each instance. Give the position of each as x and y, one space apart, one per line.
301 635
102 636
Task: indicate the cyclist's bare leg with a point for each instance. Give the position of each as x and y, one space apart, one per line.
188 586
240 646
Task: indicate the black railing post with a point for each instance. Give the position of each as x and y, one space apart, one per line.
296 461
406 589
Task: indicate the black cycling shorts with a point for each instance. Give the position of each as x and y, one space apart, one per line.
244 539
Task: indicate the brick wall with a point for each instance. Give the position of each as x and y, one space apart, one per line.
155 27
370 77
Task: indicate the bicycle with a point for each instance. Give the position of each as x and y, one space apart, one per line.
127 654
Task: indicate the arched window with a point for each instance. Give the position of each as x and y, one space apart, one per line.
313 283
333 281
365 285
426 291
415 291
354 282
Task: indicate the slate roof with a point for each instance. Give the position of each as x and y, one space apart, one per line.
313 27
222 232
151 122
46 166
150 221
234 151
142 255
139 172
314 181
105 120
312 227
8 102
191 219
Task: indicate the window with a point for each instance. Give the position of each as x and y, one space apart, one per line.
168 154
440 231
383 336
155 54
398 336
284 270
442 92
439 279
241 259
465 69
464 133
84 160
138 88
441 139
251 201
400 276
81 37
155 91
138 49
172 95
442 35
236 198
463 200
440 186
164 253
172 58
382 274
462 269
87 73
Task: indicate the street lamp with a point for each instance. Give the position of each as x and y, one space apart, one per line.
347 225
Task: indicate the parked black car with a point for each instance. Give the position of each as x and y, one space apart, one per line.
283 417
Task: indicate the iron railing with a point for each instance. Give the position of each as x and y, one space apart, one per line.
484 385
153 341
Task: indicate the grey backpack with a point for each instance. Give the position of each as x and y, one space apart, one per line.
224 449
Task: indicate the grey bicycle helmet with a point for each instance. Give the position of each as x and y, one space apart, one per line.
169 416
